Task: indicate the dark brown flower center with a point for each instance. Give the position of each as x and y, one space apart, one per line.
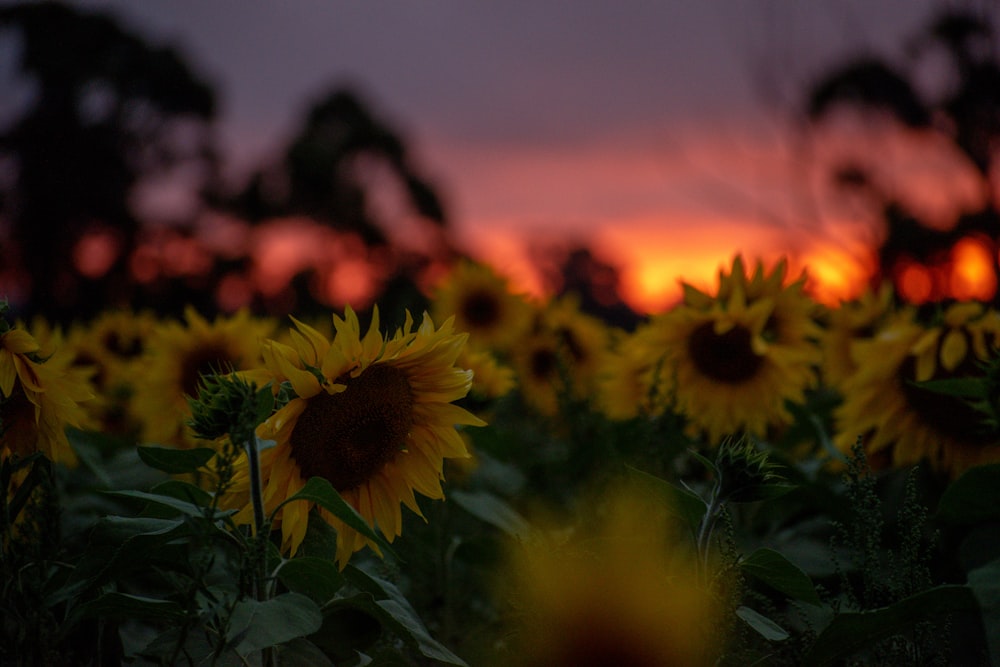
726 357
948 415
126 347
212 358
543 363
481 309
348 437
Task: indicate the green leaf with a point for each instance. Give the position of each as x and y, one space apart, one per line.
959 387
317 578
850 632
124 606
118 545
680 501
168 502
493 510
181 490
972 498
321 492
395 611
254 625
985 585
175 461
764 626
783 575
265 403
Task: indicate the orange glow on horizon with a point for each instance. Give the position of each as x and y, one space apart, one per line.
972 274
656 256
95 252
915 283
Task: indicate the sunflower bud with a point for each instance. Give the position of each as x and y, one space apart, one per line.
227 404
746 474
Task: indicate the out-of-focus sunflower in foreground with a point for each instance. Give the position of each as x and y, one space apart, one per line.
39 398
372 415
624 593
178 354
738 357
901 423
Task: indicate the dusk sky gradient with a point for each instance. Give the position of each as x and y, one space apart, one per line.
656 129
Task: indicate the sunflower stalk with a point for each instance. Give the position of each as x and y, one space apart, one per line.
740 474
230 408
260 519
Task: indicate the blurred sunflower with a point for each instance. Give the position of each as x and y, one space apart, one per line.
111 346
858 319
483 305
372 415
632 380
737 358
178 354
538 363
490 377
902 423
561 355
39 398
625 593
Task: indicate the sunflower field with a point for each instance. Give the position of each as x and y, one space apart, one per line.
747 478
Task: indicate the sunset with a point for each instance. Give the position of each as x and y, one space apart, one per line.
499 334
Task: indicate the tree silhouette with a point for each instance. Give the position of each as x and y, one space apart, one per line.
322 172
966 112
325 173
107 113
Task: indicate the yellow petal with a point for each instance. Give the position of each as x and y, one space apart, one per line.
954 347
695 298
303 382
19 341
310 343
925 367
8 373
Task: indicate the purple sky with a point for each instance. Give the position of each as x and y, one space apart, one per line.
568 117
513 72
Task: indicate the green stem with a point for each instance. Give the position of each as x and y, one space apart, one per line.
256 487
260 540
707 525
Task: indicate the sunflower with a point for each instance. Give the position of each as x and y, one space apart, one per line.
110 348
632 380
491 378
483 305
372 415
38 399
902 423
852 321
539 365
562 355
739 357
624 593
176 357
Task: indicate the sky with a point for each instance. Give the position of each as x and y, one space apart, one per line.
656 130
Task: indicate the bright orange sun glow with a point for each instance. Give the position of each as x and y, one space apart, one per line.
972 275
655 256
